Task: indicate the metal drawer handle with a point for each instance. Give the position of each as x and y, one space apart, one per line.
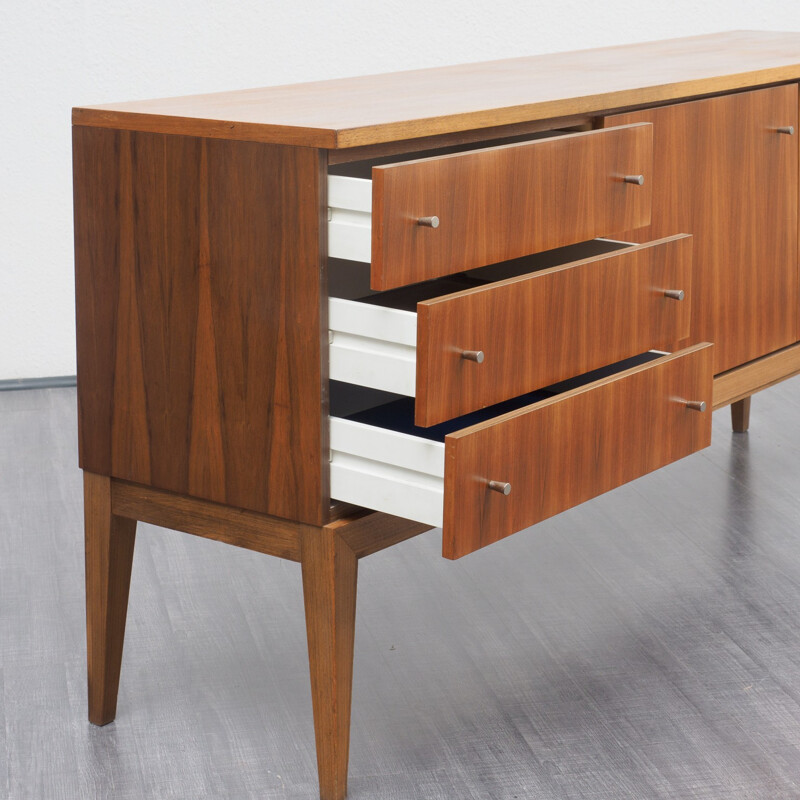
638 180
696 405
428 222
499 486
473 355
674 294
787 129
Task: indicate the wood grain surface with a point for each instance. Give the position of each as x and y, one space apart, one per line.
504 202
484 137
740 415
330 570
270 535
736 384
366 533
109 542
545 327
575 446
200 318
723 173
351 112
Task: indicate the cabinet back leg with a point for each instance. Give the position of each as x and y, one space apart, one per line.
329 589
740 415
109 557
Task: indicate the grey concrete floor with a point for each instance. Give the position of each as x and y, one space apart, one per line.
645 645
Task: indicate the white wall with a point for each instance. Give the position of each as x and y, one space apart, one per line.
58 53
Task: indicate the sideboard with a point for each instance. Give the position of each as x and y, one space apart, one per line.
317 320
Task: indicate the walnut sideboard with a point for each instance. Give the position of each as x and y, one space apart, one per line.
317 320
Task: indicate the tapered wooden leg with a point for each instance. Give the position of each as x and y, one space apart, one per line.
330 570
740 415
109 557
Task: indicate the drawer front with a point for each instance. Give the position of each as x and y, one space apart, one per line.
564 451
542 328
506 202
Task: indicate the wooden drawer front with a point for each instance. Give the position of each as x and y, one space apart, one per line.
505 202
536 321
554 451
539 329
373 339
561 452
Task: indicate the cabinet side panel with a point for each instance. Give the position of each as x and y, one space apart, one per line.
96 203
198 267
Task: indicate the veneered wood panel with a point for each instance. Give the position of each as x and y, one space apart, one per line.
566 450
723 172
505 202
539 329
350 112
100 177
200 318
160 231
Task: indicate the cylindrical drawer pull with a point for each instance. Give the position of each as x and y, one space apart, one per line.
635 179
473 355
428 222
788 129
674 294
696 405
499 486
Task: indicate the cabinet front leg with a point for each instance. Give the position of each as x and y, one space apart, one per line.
740 415
329 589
109 557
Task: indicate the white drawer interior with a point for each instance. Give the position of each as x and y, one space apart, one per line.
349 218
393 472
380 460
374 344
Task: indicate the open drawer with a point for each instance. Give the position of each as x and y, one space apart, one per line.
519 326
542 456
422 219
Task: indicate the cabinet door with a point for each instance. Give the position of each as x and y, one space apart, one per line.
724 172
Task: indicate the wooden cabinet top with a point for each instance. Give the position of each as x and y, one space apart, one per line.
350 112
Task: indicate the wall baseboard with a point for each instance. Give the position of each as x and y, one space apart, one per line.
56 382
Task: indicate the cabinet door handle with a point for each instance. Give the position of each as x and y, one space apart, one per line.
674 294
787 129
428 222
696 405
637 180
473 355
500 486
